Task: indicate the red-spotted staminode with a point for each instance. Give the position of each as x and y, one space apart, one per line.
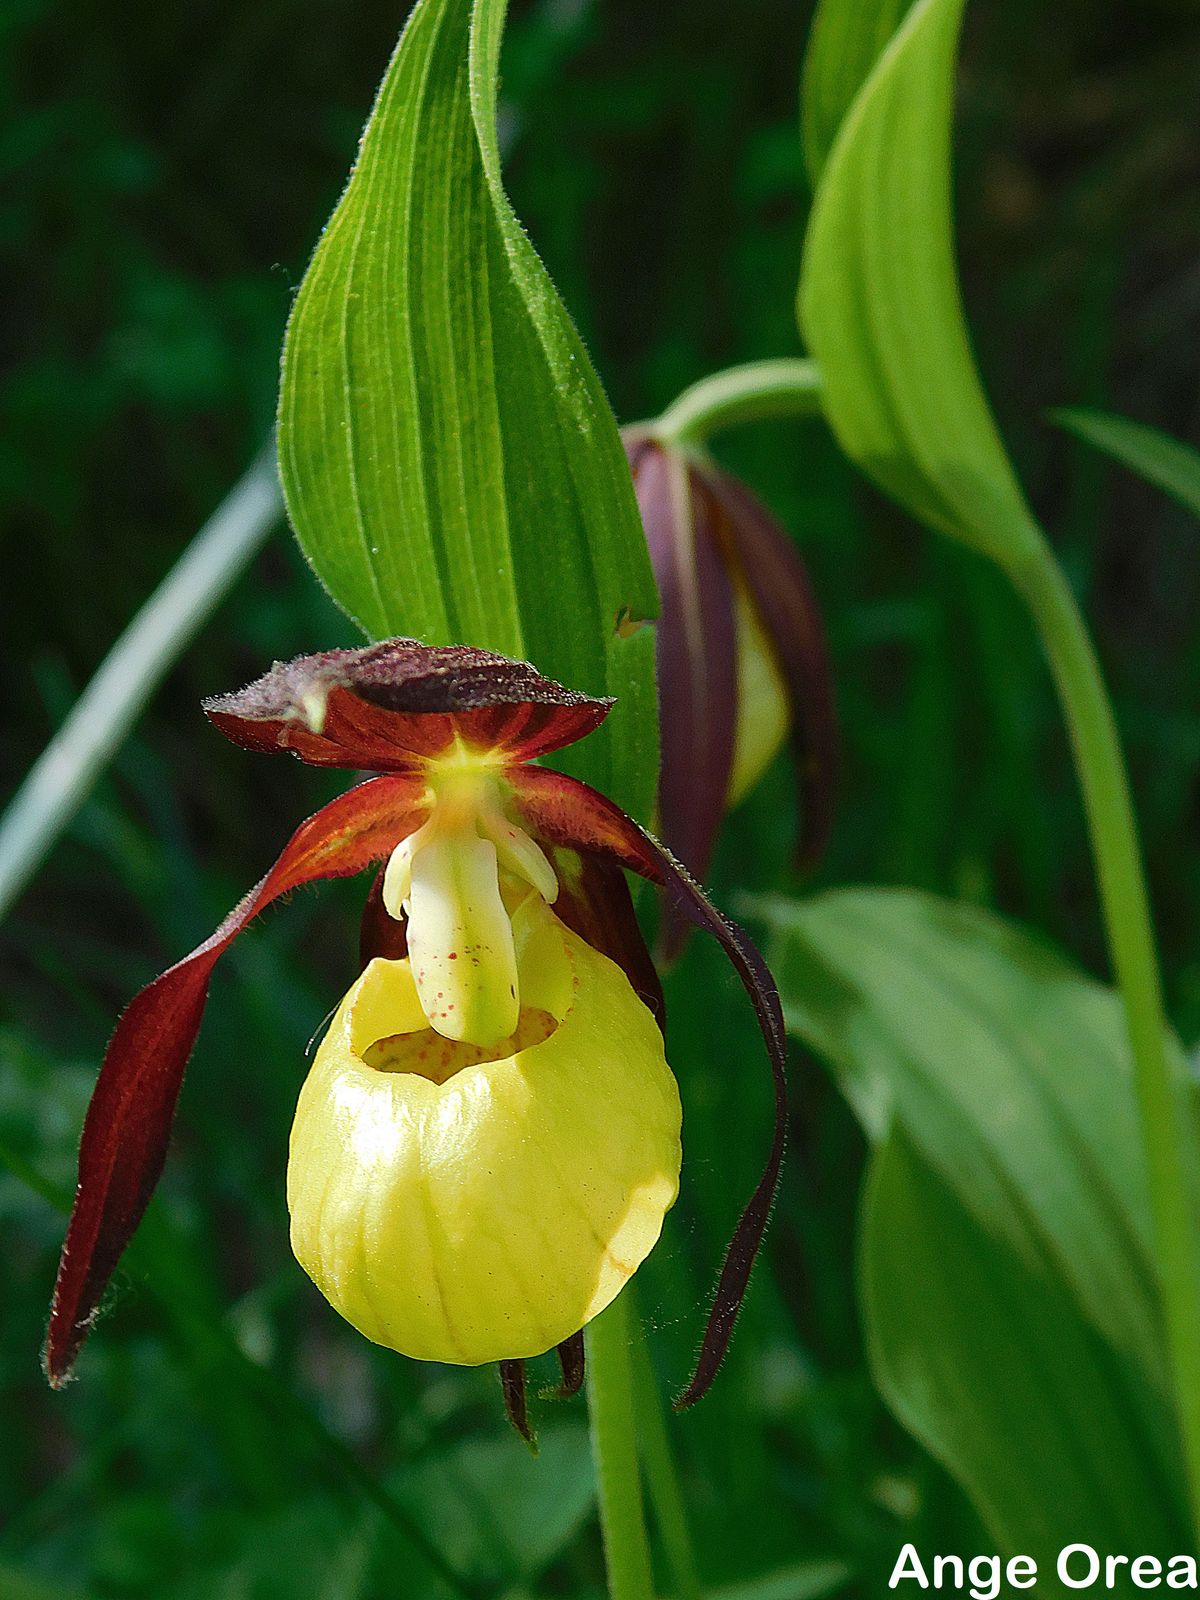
488 1139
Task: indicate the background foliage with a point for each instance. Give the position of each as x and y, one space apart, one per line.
167 179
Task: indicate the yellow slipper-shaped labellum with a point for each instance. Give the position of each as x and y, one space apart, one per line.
469 1204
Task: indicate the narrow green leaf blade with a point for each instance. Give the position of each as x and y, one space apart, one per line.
1007 1072
449 460
879 300
1167 462
844 43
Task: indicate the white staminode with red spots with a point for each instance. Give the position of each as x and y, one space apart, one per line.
457 880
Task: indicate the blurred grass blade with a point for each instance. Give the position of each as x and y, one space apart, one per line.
1007 1246
1168 463
60 779
879 301
844 43
451 466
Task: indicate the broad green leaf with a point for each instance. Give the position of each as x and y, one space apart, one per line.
1007 1072
987 1361
1168 463
880 307
450 463
844 43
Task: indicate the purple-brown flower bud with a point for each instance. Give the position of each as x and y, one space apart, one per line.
743 662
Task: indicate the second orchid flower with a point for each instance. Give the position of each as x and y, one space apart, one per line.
743 663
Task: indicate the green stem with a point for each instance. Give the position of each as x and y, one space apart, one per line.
1131 943
615 1451
662 1479
751 393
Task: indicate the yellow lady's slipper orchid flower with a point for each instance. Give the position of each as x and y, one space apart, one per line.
489 1138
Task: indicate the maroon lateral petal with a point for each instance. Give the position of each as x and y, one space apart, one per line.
779 586
387 706
696 650
565 812
379 934
594 902
128 1122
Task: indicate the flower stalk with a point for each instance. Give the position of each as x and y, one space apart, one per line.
611 1413
658 1460
755 392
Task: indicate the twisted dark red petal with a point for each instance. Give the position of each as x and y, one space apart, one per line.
128 1123
379 933
696 653
388 706
565 812
783 597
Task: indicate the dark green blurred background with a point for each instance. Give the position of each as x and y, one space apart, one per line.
165 172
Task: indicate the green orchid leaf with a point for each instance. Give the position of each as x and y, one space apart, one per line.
1168 463
1011 1200
880 307
986 1359
845 41
450 464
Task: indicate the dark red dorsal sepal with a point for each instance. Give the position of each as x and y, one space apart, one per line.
388 707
